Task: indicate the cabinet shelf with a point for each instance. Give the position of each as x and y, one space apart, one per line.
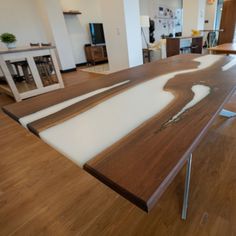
72 12
95 54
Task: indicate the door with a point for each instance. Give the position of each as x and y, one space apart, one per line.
228 21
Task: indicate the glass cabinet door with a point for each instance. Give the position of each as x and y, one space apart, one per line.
46 70
21 74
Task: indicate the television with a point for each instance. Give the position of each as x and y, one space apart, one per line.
97 33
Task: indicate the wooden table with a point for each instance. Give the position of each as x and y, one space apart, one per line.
142 164
227 48
29 55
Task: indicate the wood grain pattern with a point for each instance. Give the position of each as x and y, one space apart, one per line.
30 182
226 48
197 43
172 46
73 203
142 150
24 108
148 72
143 164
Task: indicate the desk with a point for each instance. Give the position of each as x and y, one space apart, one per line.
141 165
173 45
146 55
227 48
31 61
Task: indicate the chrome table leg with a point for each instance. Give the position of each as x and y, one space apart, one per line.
186 189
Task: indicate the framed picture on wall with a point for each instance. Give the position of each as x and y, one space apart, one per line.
168 21
165 12
161 11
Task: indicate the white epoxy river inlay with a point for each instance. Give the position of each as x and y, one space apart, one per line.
87 134
200 92
60 106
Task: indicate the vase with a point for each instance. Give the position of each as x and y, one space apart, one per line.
11 45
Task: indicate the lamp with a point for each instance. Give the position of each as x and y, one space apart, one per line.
145 23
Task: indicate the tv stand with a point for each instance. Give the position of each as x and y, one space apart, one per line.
95 53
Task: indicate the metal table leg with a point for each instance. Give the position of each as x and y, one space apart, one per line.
186 189
225 113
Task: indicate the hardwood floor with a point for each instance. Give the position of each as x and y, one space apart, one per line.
5 100
78 76
43 193
69 79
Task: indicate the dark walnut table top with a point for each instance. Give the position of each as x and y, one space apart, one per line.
227 48
142 164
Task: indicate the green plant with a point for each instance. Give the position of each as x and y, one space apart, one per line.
8 38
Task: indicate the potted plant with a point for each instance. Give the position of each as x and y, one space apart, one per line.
8 39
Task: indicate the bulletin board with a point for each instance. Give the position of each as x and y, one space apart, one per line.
168 21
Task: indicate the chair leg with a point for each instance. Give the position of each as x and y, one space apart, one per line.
26 73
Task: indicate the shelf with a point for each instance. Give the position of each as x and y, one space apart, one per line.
72 12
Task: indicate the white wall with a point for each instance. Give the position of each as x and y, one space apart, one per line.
22 19
201 14
57 26
43 17
210 15
77 26
150 8
30 23
28 20
122 32
193 15
190 17
115 34
133 32
145 7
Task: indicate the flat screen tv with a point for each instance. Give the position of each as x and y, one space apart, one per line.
97 33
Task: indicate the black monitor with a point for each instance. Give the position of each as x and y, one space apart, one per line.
97 33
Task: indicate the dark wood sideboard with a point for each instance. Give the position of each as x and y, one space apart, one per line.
173 47
95 54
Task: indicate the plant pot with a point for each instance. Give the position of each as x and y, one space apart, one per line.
11 45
